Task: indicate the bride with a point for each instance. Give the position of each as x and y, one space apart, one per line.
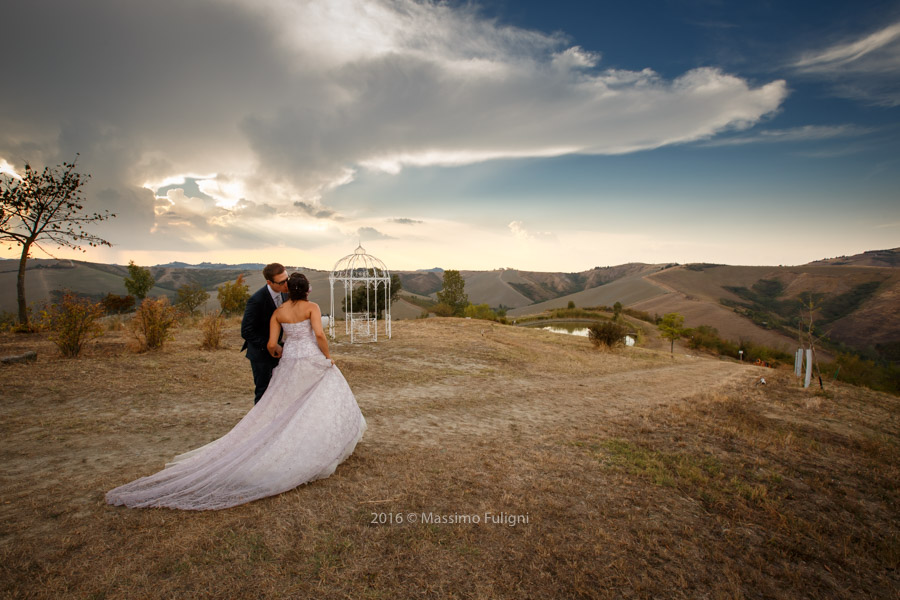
304 426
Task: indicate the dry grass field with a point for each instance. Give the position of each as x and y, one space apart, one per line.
500 462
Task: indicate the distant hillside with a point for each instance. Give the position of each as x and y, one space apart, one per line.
873 258
857 298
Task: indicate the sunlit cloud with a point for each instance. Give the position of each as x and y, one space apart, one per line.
518 230
8 169
298 98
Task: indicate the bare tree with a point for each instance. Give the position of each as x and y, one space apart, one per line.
806 327
45 207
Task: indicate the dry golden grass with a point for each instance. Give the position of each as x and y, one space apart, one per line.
642 475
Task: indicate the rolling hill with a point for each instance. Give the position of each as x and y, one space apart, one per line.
857 298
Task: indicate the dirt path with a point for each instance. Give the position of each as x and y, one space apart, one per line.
531 403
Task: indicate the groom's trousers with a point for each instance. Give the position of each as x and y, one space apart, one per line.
262 374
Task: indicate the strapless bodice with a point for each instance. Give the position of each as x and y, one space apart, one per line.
299 340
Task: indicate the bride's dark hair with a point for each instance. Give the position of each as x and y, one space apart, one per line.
298 286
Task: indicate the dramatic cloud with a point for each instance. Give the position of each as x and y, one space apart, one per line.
277 102
866 69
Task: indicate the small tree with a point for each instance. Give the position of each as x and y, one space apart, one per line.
73 322
810 304
191 296
233 297
454 293
139 281
671 327
45 206
617 311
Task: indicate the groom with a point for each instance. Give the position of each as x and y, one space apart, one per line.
255 325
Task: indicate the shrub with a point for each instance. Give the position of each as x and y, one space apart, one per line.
855 370
117 305
607 334
639 314
480 311
212 327
442 309
152 322
572 313
571 304
73 322
233 297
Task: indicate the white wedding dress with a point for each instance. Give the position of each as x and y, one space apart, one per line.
302 428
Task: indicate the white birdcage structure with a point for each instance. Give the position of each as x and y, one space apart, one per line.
355 270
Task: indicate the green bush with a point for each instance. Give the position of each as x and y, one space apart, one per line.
855 370
442 309
607 334
481 311
73 322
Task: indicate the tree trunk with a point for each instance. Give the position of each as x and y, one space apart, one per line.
20 286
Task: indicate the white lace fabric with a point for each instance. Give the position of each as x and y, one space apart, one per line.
303 427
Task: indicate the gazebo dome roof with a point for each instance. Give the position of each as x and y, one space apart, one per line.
359 266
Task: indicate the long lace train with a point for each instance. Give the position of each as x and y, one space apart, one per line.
304 426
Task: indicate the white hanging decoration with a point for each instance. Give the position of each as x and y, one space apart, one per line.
361 322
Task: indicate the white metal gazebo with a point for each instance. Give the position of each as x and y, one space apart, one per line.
362 269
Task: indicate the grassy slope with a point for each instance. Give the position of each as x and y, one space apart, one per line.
642 476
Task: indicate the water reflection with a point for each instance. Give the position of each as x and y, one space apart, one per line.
569 329
577 329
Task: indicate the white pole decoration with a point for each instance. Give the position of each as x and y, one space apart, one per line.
808 368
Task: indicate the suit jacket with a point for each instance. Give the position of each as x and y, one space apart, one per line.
255 325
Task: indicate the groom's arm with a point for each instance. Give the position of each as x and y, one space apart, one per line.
254 328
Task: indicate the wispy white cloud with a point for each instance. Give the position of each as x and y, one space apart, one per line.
520 232
807 133
867 68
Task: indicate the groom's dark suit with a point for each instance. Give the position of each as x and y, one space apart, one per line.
255 331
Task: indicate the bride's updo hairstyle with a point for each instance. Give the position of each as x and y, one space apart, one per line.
298 286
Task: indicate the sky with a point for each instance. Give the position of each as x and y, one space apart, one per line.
534 135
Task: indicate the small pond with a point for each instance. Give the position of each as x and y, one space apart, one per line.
575 328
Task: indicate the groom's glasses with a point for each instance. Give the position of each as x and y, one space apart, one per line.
282 282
